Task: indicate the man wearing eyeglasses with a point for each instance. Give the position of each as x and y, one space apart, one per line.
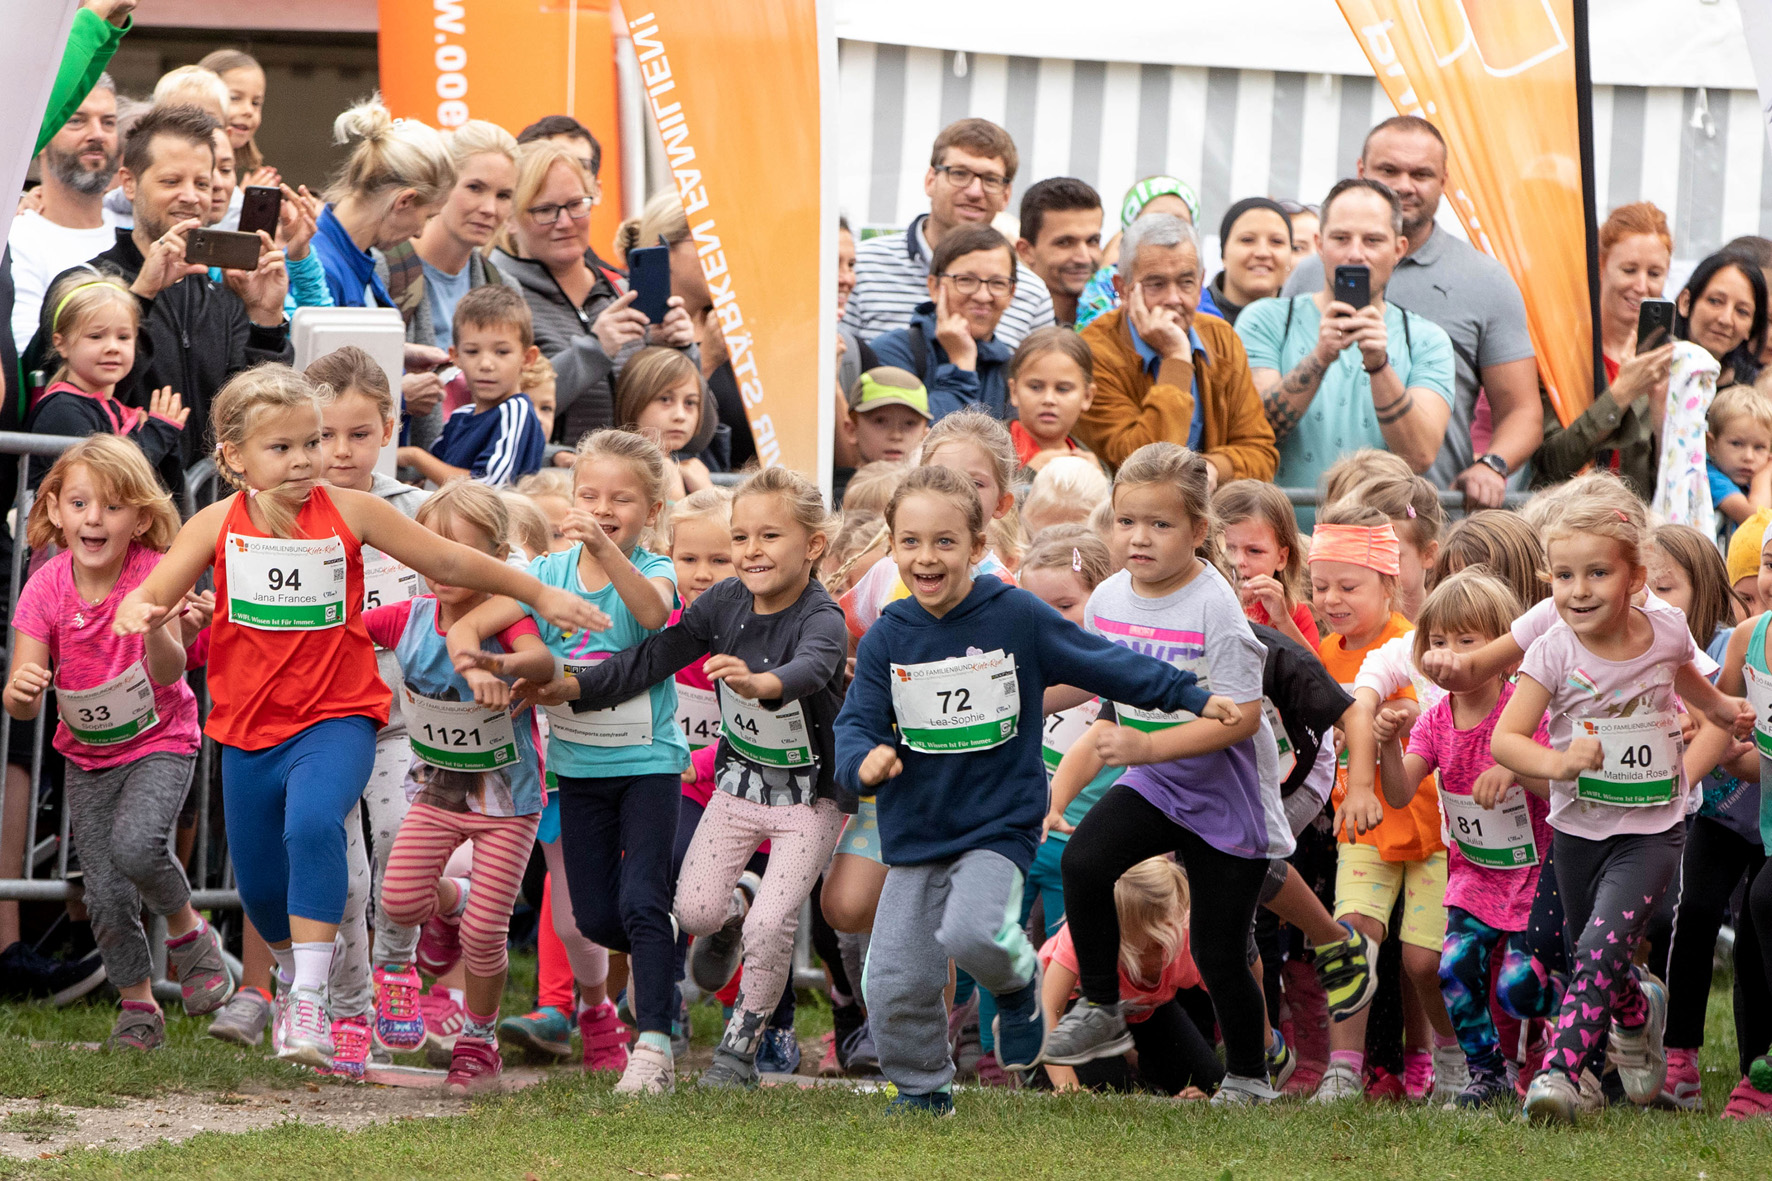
970 179
1167 372
952 341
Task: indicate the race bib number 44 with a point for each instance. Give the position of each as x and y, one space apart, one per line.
286 583
770 738
1642 754
959 704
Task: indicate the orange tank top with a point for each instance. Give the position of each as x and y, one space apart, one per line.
289 647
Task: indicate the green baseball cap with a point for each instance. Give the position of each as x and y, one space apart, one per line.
887 385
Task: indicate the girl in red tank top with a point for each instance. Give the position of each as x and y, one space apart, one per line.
297 699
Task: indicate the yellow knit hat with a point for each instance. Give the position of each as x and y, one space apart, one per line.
1744 548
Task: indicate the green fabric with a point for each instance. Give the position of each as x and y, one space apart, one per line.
92 42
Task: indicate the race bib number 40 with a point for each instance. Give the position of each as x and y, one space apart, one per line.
1494 838
1642 767
459 735
286 583
113 712
960 704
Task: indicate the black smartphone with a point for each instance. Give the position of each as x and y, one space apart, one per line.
260 207
649 274
1655 324
223 248
1353 286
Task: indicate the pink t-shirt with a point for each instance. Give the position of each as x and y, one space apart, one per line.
1542 615
1136 999
85 654
1582 685
1500 897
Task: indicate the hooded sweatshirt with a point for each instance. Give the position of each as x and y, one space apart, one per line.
944 805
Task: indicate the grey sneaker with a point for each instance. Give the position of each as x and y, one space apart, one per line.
650 1071
137 1029
1638 1053
1237 1091
1452 1074
203 975
1553 1097
730 1071
1086 1033
1340 1082
307 1032
714 958
243 1019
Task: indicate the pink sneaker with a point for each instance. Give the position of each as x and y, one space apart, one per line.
605 1038
991 1073
474 1067
439 945
443 1024
1418 1075
1309 1032
1682 1090
1747 1101
1537 1046
350 1047
1381 1084
398 1024
828 1066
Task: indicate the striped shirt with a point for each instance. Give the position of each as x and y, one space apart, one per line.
497 446
892 278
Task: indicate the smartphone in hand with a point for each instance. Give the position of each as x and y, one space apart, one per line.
1353 286
223 248
1655 324
260 207
649 274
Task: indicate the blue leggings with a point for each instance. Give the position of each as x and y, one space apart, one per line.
286 806
1524 987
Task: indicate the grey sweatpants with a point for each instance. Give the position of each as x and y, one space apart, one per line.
123 821
966 910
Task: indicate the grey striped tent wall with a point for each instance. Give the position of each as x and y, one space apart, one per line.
1701 155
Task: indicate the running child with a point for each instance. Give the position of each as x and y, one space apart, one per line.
1607 673
618 770
955 677
296 697
128 723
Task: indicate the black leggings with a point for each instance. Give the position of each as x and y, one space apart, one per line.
1172 1055
1119 832
1711 868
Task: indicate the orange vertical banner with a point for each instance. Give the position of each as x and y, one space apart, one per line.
509 62
742 96
1499 79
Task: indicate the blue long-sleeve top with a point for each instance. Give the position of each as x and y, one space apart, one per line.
950 387
944 805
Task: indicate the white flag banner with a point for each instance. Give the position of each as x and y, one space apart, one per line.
30 54
1756 23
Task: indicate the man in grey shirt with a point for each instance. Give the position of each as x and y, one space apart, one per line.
1468 294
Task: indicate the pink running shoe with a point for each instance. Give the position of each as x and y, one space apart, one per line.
474 1067
1382 1085
828 1066
398 1024
605 1038
1418 1075
350 1047
1747 1101
991 1072
1537 1046
443 1025
439 945
1683 1089
1309 1032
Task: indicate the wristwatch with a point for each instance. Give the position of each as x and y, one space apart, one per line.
1494 463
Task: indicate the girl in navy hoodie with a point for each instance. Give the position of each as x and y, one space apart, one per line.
943 724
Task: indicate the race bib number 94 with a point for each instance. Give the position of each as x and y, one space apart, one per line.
286 583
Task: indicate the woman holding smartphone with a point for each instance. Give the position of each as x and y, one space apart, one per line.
1621 430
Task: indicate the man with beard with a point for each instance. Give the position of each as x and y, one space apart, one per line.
71 225
1061 240
196 333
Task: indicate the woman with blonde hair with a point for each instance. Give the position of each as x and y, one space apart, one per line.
585 321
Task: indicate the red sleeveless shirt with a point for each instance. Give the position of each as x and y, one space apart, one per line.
271 681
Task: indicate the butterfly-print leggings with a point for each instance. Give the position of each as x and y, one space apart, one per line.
1609 890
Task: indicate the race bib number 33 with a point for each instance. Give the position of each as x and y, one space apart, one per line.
286 583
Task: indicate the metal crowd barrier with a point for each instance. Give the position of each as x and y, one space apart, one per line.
1311 497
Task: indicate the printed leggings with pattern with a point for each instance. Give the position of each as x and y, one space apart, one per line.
1524 986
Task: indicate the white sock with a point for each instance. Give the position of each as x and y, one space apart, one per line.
312 963
461 898
285 957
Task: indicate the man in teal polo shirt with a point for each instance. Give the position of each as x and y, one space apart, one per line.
1335 378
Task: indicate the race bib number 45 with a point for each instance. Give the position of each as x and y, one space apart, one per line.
1642 754
959 704
286 583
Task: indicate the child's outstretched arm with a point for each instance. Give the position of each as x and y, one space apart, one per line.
1080 764
649 599
1097 667
1124 746
867 745
1515 748
1731 679
1360 808
380 524
819 651
468 633
1731 714
1461 672
165 653
150 604
529 659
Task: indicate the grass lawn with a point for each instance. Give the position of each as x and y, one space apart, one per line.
570 1127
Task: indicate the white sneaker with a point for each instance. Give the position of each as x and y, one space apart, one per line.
1340 1081
1452 1074
1236 1091
307 1033
650 1071
1638 1053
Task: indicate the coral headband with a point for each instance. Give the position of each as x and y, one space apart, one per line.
1372 546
